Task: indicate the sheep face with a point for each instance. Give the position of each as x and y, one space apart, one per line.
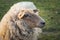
31 18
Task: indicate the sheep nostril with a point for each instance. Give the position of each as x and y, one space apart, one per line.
43 23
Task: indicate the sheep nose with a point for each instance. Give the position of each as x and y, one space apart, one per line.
42 23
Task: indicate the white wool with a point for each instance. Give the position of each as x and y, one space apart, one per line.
26 5
22 5
37 31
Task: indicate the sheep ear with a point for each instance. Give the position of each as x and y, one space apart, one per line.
21 14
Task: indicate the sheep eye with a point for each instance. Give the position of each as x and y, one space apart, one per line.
26 15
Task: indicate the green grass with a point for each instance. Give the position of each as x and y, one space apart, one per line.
49 10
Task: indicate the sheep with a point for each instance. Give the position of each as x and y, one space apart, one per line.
21 22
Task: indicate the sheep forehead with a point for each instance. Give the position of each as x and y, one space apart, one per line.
28 11
26 5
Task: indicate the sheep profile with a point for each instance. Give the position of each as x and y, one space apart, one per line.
21 22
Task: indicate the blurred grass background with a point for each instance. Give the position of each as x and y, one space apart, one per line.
49 10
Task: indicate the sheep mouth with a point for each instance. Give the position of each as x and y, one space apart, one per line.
42 26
